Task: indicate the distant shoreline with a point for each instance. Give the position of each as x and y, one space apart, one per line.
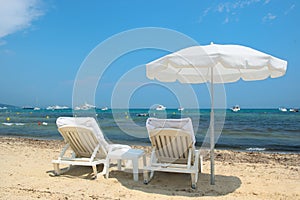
30 140
221 154
141 108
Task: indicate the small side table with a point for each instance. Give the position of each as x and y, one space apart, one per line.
128 154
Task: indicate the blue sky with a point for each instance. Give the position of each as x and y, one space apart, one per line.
43 44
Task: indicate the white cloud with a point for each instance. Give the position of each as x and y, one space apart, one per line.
269 17
226 20
290 9
206 11
220 7
231 6
231 9
16 15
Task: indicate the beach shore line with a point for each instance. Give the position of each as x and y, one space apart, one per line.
27 173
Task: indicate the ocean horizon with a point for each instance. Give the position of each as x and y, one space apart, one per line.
265 130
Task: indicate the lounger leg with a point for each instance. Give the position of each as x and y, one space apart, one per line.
151 175
106 169
135 169
144 161
194 177
201 164
119 164
146 177
94 171
57 171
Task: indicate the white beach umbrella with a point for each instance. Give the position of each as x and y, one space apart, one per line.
215 63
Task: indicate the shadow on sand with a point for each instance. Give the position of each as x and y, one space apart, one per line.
176 184
170 184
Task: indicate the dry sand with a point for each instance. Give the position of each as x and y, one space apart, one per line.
27 173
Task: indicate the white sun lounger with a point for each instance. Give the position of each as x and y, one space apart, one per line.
86 140
173 148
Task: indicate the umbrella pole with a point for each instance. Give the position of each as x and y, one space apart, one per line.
212 127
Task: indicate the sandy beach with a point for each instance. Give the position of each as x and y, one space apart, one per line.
27 173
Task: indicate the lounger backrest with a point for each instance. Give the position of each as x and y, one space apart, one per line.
172 145
82 140
88 122
171 138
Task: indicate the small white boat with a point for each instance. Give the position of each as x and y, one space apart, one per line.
86 106
36 108
282 109
236 108
160 107
180 109
19 124
7 124
56 107
104 108
142 114
294 110
28 107
3 108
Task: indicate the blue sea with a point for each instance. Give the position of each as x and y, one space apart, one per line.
268 130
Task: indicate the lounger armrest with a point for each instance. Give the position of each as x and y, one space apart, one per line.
153 156
94 153
63 151
114 147
189 158
197 154
197 157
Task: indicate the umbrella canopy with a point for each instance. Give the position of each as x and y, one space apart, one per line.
229 63
215 63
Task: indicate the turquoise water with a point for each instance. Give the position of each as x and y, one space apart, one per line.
248 129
